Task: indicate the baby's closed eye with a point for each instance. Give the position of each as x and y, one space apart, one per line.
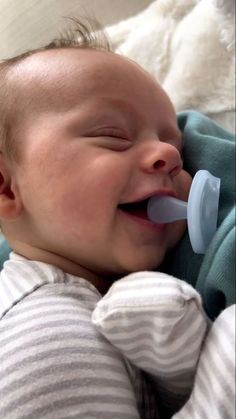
111 132
111 138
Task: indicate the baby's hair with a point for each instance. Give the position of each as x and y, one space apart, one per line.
82 34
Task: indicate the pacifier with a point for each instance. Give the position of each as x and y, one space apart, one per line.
201 210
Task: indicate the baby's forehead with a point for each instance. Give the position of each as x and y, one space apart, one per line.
44 76
69 81
55 76
58 77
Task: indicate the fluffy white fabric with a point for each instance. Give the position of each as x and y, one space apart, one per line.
188 45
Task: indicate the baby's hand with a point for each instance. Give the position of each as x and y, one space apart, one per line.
158 323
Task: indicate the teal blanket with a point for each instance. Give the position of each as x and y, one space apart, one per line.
206 146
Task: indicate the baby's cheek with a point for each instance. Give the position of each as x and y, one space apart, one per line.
184 185
175 232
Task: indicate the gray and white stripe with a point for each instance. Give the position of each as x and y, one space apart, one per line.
158 323
53 362
213 394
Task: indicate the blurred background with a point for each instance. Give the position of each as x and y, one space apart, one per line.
187 45
26 24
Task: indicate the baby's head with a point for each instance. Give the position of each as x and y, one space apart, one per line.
86 137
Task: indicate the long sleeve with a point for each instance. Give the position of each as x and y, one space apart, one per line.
158 324
213 394
54 364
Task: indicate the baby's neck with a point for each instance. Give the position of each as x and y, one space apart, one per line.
66 265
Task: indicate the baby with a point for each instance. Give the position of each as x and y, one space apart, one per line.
86 137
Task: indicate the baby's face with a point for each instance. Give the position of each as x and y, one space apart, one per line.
99 133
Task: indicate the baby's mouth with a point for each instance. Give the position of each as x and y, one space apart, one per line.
138 209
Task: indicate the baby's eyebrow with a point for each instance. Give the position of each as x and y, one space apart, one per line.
104 104
120 104
118 107
104 111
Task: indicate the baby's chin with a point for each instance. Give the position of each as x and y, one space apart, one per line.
152 258
176 233
144 263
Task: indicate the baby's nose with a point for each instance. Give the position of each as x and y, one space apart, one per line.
161 157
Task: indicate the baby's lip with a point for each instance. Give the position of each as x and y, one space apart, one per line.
138 206
158 192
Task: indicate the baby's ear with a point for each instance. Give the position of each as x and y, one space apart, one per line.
10 202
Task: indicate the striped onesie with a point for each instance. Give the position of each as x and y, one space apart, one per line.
53 362
157 322
56 360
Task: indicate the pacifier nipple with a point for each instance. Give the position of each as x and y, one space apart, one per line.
166 209
201 210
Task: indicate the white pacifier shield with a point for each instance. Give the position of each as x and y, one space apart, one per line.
201 210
